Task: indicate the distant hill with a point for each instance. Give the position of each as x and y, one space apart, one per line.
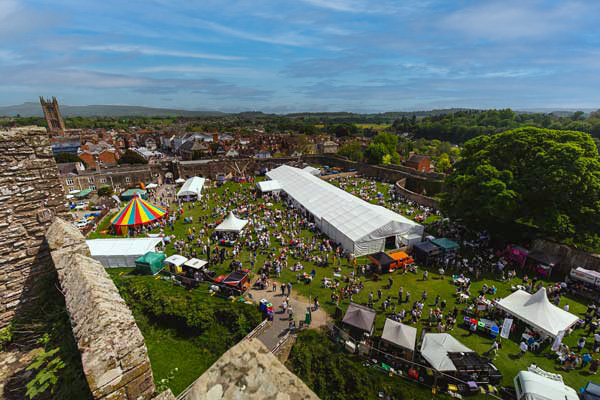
33 109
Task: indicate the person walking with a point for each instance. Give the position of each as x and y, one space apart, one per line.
316 303
290 313
408 297
400 295
283 289
523 347
289 286
379 294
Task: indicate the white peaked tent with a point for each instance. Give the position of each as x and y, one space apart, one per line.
435 349
398 334
360 227
231 224
312 170
269 186
537 311
192 187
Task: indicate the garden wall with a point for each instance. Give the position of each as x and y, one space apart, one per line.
416 197
30 196
113 353
566 256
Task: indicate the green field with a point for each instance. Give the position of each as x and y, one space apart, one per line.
507 360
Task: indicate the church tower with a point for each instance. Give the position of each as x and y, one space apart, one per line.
56 125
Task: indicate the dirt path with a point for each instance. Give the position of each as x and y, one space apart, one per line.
271 336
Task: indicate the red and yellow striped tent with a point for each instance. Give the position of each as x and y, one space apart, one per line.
136 212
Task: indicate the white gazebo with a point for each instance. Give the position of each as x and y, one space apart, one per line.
435 349
192 188
231 224
399 335
537 311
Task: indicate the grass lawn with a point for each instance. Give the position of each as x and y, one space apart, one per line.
507 360
185 331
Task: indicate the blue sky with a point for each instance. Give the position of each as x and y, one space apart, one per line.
302 55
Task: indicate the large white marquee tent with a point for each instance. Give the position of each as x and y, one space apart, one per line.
360 227
113 253
192 187
537 311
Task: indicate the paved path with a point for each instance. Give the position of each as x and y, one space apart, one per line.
271 336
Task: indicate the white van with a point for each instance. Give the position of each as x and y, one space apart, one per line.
533 386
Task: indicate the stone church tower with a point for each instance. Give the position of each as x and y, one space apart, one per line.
56 125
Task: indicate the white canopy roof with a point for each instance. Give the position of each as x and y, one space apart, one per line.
435 349
537 311
151 186
176 260
312 170
120 252
179 180
360 227
537 387
231 224
269 186
192 187
399 334
195 263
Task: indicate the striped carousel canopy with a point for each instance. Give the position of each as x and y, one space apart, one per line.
137 212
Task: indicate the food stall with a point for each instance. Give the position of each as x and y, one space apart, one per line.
426 252
516 254
174 264
382 262
585 282
401 260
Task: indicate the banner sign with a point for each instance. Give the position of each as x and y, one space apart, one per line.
506 328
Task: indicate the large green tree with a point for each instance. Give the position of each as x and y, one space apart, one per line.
352 150
375 153
544 178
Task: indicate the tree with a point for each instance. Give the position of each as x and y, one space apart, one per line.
443 165
375 152
543 178
390 141
66 158
105 191
132 157
353 151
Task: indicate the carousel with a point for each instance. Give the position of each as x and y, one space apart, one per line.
136 213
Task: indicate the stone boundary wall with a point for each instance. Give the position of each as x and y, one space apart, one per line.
113 353
30 196
566 256
416 197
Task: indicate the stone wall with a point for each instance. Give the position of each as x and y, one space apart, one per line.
30 196
113 353
566 256
248 371
416 197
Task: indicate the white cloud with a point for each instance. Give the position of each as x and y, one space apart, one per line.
508 20
126 48
288 39
192 69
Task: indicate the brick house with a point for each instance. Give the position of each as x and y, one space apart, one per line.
419 162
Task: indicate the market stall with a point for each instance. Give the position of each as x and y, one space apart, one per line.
150 263
426 252
537 311
174 263
359 320
132 193
540 262
448 247
191 189
382 262
402 337
516 254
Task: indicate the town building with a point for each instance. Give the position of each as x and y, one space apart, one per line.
419 162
